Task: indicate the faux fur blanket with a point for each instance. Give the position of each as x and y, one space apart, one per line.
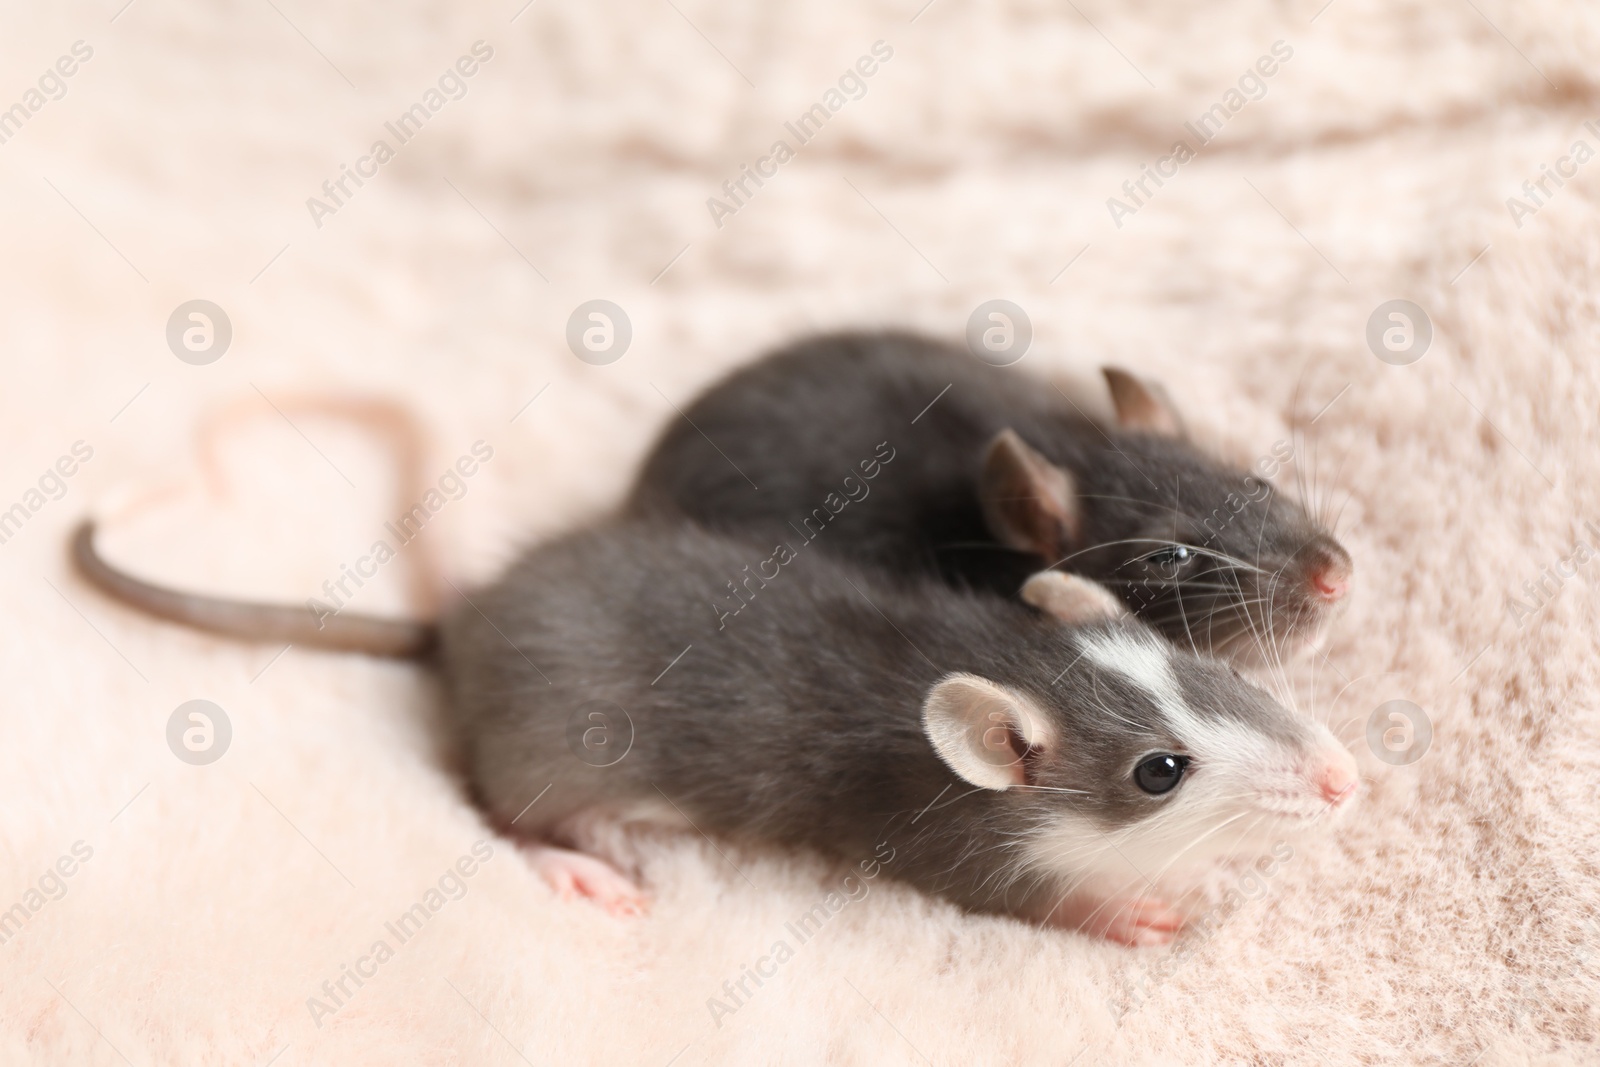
411 200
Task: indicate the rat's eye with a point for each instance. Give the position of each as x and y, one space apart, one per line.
1172 556
1160 774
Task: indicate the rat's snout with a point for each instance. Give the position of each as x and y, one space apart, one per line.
1337 779
1328 571
1331 582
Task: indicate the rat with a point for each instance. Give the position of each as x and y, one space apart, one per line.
1058 769
1049 766
911 455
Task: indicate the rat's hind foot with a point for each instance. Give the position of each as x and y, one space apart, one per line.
576 874
1128 920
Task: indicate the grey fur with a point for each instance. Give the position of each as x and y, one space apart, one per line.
798 422
796 721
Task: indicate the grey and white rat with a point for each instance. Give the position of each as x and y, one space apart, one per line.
995 474
1053 768
768 693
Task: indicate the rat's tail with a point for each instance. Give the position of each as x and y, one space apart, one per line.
301 626
304 626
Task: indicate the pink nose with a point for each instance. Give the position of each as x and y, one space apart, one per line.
1337 781
1331 580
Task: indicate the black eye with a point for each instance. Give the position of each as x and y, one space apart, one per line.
1173 556
1160 774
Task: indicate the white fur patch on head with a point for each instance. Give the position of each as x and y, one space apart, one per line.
1218 745
1241 783
1141 661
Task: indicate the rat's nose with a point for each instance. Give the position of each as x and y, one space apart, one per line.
1338 779
1329 576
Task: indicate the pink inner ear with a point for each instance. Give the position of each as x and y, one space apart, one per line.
1030 503
1007 749
1029 765
1142 406
1067 514
1006 740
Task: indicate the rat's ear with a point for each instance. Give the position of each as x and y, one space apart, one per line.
984 731
1142 405
1029 503
1071 598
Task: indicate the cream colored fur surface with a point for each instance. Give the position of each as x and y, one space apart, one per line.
1453 918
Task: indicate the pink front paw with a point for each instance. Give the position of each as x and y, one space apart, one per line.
575 874
1137 920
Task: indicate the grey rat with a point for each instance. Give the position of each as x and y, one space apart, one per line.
1048 767
993 474
765 692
